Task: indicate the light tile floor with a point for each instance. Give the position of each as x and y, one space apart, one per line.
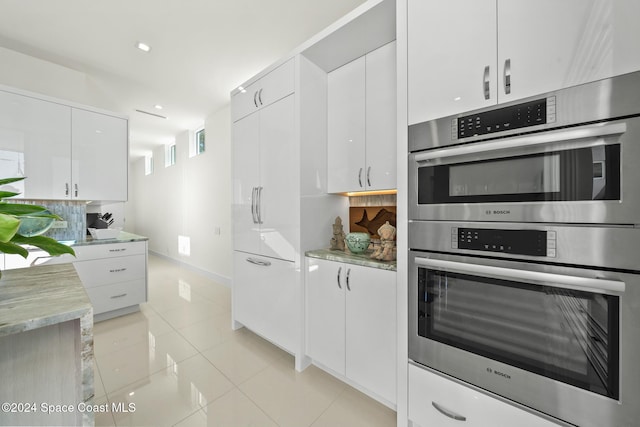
178 362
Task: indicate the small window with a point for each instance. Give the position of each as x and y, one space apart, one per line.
170 155
148 165
200 144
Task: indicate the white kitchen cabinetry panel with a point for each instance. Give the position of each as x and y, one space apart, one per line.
118 295
351 323
264 160
273 86
362 123
346 123
429 391
468 54
451 52
100 156
35 141
266 298
103 271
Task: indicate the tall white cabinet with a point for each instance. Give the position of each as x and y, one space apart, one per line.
362 123
66 152
467 54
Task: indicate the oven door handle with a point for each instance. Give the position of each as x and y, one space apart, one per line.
584 132
601 286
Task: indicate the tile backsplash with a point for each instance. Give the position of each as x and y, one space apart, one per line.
74 212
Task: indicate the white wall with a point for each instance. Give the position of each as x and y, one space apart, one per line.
191 198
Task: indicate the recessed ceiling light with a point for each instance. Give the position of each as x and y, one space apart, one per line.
143 47
158 107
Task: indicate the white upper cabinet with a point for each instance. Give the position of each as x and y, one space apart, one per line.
362 123
468 54
35 140
100 156
273 86
65 152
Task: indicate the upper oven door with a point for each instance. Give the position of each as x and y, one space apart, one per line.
568 175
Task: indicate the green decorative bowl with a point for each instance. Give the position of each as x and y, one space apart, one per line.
357 242
35 225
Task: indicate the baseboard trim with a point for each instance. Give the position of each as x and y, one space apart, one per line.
223 280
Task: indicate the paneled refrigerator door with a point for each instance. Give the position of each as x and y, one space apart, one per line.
277 194
246 180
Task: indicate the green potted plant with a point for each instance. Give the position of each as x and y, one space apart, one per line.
22 224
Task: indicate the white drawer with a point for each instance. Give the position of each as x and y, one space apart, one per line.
109 250
119 295
428 390
98 272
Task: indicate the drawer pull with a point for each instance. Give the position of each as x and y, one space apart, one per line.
117 270
118 250
118 296
448 413
259 262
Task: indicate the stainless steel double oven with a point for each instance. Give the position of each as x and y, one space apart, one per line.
524 264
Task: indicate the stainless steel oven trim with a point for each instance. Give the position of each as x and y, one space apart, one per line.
557 399
595 285
583 137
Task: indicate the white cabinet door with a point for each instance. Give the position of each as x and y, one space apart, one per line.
551 45
100 156
436 401
35 141
278 191
325 285
246 180
451 52
346 128
272 87
381 118
371 329
266 298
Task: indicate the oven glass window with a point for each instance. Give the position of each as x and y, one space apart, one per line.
570 175
567 335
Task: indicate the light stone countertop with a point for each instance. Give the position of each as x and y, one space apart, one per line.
349 258
36 297
122 238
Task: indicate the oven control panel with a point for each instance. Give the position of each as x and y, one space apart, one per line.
540 243
518 116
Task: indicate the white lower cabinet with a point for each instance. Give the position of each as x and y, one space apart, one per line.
351 323
438 401
266 298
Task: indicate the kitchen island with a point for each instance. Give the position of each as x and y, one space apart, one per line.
46 347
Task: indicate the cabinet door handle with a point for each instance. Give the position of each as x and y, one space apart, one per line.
368 176
507 76
448 413
360 177
348 273
118 270
66 188
119 296
485 80
254 191
255 101
75 188
259 262
338 277
259 205
260 96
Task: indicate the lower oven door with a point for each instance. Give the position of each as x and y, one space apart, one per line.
556 339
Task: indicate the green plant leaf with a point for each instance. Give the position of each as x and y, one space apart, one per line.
52 246
12 248
19 208
8 227
5 194
4 181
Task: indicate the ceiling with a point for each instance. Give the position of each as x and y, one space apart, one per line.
200 50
